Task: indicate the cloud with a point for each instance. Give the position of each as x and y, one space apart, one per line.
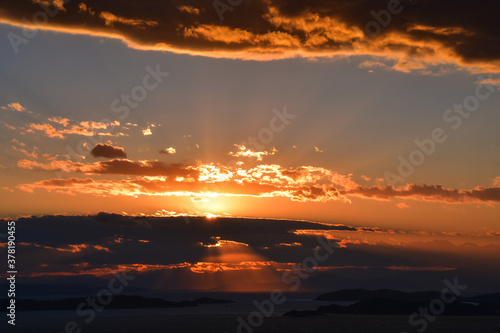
14 107
110 19
496 181
59 4
28 153
451 35
157 178
402 205
83 8
92 125
115 166
434 193
243 151
108 151
66 126
491 81
205 252
46 129
9 126
445 31
73 248
60 120
168 151
189 9
306 183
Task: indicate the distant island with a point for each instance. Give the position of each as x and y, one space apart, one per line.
418 296
383 306
394 302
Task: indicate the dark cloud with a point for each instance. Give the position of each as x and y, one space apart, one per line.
417 35
115 166
108 151
430 193
143 168
50 248
170 240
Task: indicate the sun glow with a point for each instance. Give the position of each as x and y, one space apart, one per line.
240 268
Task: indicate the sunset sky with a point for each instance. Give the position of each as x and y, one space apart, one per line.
266 109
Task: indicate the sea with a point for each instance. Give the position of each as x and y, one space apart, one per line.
222 318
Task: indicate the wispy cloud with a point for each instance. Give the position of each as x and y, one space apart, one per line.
65 126
243 151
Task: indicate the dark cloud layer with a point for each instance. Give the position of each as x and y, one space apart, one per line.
165 253
115 166
414 35
430 192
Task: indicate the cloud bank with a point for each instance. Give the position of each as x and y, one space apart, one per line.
305 183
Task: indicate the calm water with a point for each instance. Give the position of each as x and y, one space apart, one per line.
222 318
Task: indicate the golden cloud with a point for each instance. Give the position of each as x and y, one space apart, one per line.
306 183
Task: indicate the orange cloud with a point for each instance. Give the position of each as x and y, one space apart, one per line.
59 4
73 248
60 120
110 19
402 205
84 128
289 244
82 8
245 152
189 9
14 107
434 193
446 31
305 183
47 129
496 181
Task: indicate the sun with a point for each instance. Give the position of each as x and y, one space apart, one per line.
211 216
210 207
